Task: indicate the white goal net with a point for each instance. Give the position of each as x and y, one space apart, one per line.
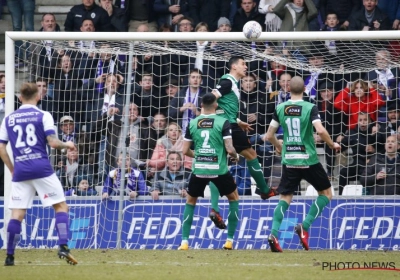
127 98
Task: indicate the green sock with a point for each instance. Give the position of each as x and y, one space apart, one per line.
279 212
187 221
258 175
315 210
233 218
214 196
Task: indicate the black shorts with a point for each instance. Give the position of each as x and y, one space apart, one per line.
239 138
224 183
314 174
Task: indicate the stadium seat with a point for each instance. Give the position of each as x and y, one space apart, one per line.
99 189
312 192
253 189
207 192
352 190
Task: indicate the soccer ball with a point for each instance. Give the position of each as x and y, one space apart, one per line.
252 30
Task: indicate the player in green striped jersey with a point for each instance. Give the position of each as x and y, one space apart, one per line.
298 118
212 140
228 95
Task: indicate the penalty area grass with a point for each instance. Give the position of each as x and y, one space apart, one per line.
97 264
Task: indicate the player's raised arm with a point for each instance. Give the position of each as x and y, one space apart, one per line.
56 143
224 87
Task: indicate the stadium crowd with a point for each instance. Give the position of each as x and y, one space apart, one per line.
86 92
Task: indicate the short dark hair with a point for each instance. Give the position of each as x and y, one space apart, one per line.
233 60
28 90
174 153
50 14
40 79
196 70
85 19
208 99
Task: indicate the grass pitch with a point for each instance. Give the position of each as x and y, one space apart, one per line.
194 264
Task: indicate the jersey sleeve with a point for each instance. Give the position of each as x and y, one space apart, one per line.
275 120
188 136
315 115
226 130
224 87
3 132
48 124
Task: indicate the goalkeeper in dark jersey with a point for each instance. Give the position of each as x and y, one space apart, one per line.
299 159
228 95
211 137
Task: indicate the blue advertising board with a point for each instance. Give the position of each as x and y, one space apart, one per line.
346 224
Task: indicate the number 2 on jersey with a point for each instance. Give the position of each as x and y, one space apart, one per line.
206 135
30 138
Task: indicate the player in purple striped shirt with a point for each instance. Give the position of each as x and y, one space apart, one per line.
28 130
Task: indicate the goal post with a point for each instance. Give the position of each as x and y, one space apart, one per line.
144 223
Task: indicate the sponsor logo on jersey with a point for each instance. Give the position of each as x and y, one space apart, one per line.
207 158
293 110
295 148
205 123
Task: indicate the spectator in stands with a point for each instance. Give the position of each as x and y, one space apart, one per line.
100 64
389 126
138 12
385 78
247 12
171 141
185 106
295 14
392 9
43 53
67 129
19 9
67 82
173 179
87 10
171 89
279 96
331 24
108 126
185 24
331 118
362 143
83 188
272 21
149 136
342 8
117 15
370 17
147 96
69 168
134 182
358 97
46 103
254 112
209 11
224 25
132 141
382 175
171 12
